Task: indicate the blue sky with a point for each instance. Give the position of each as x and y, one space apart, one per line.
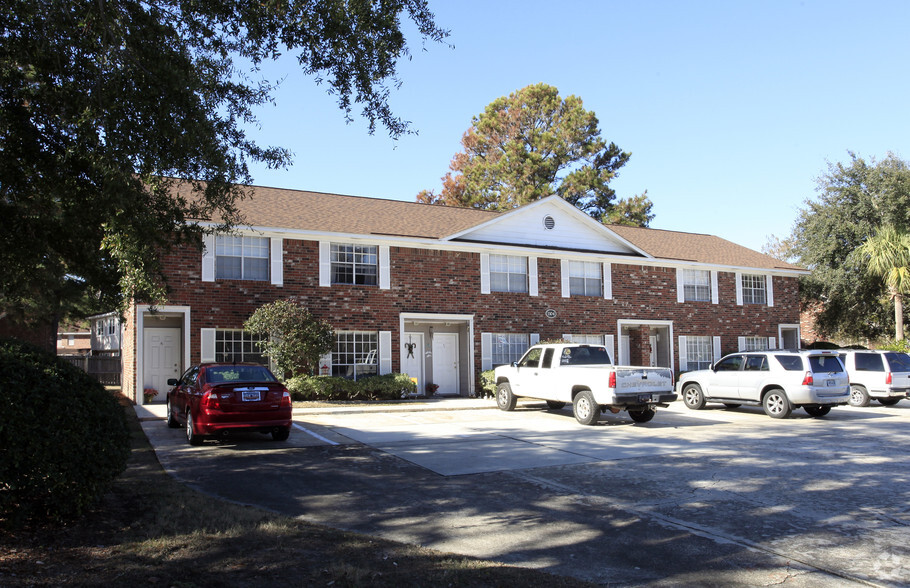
731 109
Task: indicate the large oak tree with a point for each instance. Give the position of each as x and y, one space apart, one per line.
855 201
101 102
534 143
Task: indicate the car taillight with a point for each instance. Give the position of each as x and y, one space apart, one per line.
612 382
285 399
210 400
808 380
888 379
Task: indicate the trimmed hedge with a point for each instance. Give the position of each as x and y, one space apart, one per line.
63 437
385 387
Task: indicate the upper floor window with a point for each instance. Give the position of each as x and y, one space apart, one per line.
354 264
241 258
508 273
586 339
696 285
754 289
585 278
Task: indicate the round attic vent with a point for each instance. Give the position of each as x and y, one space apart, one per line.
549 222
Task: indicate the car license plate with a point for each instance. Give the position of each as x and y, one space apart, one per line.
831 383
251 396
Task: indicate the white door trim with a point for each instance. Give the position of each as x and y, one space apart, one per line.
141 310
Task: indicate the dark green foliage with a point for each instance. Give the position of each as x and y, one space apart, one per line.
292 337
63 437
385 387
488 382
102 102
854 199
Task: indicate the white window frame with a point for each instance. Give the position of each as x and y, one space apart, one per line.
274 262
588 273
768 287
363 256
509 266
755 343
363 356
384 279
248 352
685 278
509 346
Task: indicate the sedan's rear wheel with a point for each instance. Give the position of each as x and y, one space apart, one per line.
191 434
776 404
505 400
858 396
281 434
585 408
693 397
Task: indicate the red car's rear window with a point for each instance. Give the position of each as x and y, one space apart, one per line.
230 374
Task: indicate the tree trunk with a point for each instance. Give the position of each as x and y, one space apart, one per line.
899 317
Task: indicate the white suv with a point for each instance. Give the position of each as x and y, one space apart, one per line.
779 381
883 375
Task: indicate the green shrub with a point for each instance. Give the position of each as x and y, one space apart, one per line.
488 382
900 346
63 437
385 387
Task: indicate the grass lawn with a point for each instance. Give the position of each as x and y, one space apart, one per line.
151 530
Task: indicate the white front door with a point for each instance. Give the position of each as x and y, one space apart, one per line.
412 358
160 359
445 363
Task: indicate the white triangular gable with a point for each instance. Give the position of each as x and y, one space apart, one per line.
553 223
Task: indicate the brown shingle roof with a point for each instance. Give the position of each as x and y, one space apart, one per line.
334 213
313 211
698 248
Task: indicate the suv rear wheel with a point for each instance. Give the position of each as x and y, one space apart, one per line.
776 404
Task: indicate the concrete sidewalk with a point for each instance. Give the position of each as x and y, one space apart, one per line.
157 410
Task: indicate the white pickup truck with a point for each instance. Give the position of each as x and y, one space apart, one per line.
584 375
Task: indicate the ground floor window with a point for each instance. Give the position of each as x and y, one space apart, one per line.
585 339
355 354
754 344
508 347
699 353
238 345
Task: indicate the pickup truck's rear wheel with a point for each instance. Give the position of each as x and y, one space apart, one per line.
693 397
776 404
642 416
585 408
890 401
817 411
555 404
858 396
505 400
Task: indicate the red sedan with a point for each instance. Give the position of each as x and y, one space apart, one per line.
214 398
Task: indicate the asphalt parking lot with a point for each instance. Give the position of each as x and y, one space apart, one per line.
712 497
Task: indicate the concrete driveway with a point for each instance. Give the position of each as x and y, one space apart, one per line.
714 497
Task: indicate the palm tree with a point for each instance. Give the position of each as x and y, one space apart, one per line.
887 255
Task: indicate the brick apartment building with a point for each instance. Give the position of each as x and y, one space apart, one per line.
443 293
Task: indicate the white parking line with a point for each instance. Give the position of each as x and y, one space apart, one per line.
317 435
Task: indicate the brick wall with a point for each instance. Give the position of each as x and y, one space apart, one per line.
433 281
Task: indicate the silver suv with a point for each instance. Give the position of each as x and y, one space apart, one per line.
883 375
778 381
